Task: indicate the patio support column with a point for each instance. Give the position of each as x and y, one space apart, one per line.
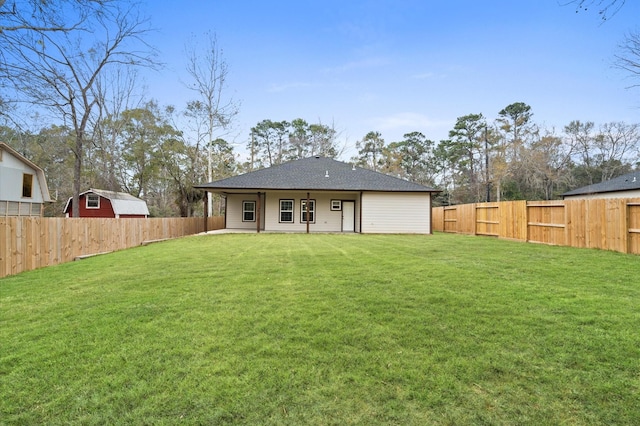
206 210
308 212
258 207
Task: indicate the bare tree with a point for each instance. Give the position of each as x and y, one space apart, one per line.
117 92
547 163
208 71
617 144
606 8
606 152
580 136
628 58
40 16
59 70
48 16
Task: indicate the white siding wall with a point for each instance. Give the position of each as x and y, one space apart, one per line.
234 211
327 220
396 213
382 212
11 171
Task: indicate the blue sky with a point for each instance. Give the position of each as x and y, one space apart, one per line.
397 66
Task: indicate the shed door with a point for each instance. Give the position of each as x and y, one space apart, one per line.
348 216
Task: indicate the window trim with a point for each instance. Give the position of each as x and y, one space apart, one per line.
86 201
27 185
293 208
244 211
312 210
336 205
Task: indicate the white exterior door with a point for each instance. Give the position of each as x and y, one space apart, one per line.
348 216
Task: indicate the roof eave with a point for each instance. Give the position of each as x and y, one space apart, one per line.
264 189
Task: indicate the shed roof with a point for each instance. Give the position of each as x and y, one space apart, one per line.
39 172
315 173
121 202
628 182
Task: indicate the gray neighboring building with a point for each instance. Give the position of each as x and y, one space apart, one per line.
23 187
319 194
625 186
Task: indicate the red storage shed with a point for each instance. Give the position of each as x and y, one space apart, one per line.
109 204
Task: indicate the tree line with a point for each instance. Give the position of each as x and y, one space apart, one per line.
508 158
144 151
75 63
108 135
140 151
274 142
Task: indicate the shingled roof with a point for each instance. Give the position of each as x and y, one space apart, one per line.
628 182
315 173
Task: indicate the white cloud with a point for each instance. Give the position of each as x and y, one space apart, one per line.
406 119
356 65
394 126
282 87
424 76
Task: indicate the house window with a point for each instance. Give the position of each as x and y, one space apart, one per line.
248 211
336 204
27 185
303 211
286 211
93 201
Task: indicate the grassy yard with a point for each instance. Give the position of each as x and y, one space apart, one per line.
325 329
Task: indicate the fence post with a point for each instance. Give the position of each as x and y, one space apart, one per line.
526 222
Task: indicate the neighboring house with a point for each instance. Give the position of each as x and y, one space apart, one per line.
625 186
110 204
23 187
319 194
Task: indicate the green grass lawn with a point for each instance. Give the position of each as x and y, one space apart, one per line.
325 329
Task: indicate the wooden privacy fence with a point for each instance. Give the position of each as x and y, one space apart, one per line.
607 224
33 242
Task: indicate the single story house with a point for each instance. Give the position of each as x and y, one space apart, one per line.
625 186
319 194
109 204
23 187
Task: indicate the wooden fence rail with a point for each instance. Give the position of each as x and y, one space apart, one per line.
33 242
607 224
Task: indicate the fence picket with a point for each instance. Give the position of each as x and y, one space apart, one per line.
32 242
607 224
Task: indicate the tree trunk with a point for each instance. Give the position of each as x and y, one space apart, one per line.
77 170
